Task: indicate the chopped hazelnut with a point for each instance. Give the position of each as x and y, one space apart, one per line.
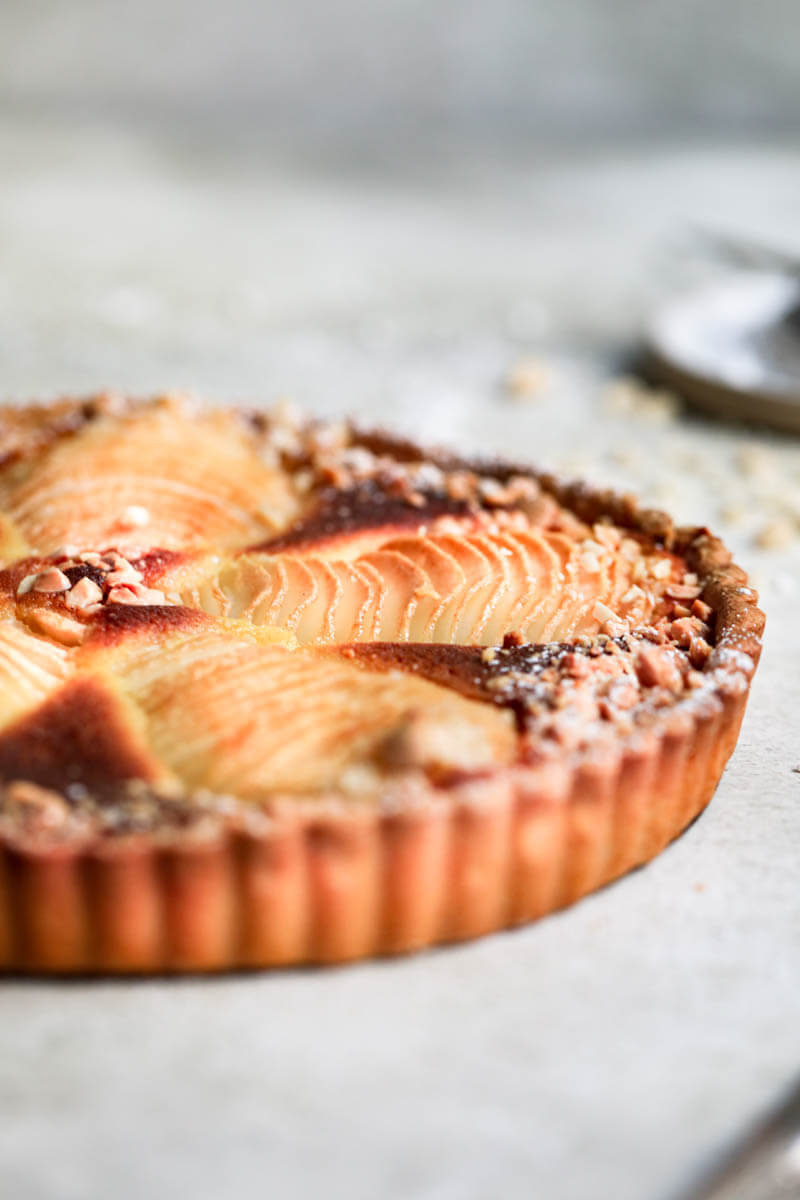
701 610
623 694
576 665
661 569
51 580
124 575
135 593
35 808
633 595
85 594
607 535
686 628
655 667
682 591
699 652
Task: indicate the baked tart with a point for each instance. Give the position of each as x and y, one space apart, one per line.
275 690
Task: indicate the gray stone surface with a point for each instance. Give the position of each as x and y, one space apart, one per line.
606 1051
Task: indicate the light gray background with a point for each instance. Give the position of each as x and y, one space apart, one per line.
375 76
383 210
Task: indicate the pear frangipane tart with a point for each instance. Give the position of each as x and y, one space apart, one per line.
274 690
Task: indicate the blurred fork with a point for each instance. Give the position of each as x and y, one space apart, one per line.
764 1164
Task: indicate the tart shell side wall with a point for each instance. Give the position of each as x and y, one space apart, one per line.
333 888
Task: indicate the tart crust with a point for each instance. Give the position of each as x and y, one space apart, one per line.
176 880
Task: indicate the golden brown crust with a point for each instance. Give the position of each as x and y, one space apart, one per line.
213 886
343 885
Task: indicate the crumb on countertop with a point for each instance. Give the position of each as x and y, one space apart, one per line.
527 380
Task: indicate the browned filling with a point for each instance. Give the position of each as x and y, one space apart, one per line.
338 514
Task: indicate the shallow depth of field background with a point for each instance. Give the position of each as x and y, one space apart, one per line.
221 182
453 218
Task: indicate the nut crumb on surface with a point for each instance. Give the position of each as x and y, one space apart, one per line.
753 459
777 534
732 514
527 379
629 396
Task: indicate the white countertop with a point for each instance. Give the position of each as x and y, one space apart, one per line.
605 1051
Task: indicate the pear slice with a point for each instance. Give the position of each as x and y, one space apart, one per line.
30 669
231 712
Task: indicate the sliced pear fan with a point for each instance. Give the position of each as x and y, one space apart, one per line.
162 479
471 589
230 713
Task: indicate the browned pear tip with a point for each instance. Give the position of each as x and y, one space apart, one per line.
82 734
339 514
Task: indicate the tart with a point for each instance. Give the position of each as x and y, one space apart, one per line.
275 690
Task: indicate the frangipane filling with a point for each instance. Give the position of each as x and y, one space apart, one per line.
204 610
